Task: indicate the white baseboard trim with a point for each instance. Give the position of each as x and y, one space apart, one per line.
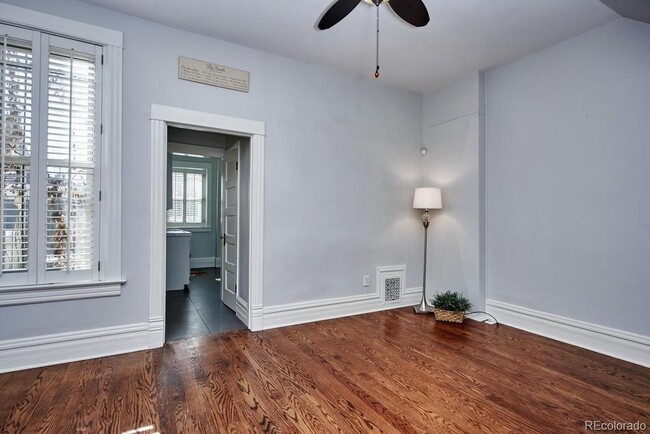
612 342
256 318
34 352
204 262
242 310
304 312
156 332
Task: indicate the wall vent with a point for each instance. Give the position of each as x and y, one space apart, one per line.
390 283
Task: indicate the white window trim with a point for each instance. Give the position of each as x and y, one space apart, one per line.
206 167
17 16
110 249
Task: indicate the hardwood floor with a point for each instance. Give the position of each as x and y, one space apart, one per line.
390 372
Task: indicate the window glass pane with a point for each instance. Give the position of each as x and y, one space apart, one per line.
188 197
69 218
194 211
16 142
15 207
71 163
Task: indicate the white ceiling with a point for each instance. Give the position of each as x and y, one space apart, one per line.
463 35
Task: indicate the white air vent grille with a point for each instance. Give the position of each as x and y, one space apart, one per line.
390 283
392 288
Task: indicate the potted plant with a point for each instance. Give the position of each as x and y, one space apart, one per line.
450 306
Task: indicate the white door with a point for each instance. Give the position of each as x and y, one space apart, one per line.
230 226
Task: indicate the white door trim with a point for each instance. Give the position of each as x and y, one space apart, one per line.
161 117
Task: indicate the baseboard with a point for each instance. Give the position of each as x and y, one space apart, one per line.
34 352
242 310
256 322
156 332
612 342
300 313
205 262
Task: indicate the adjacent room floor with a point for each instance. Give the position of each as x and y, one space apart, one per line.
391 372
199 311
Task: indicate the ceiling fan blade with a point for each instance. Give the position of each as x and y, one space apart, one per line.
337 12
413 12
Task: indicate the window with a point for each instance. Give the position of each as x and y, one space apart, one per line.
189 196
47 183
52 142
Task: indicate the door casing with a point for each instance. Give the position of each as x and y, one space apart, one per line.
249 311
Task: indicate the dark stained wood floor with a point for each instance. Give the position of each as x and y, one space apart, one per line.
390 372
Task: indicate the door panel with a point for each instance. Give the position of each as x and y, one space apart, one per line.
230 212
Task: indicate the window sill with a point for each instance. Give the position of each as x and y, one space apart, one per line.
30 294
192 228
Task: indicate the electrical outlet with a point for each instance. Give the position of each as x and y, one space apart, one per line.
366 280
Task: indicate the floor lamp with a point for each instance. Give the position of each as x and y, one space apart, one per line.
426 198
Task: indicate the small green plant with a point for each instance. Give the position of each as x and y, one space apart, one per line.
452 301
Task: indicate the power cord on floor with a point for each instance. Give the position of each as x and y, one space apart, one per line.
482 311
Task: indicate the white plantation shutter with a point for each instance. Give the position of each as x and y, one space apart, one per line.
70 161
49 115
189 197
15 141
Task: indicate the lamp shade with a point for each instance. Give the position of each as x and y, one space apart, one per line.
427 198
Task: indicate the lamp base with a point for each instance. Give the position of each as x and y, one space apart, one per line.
423 307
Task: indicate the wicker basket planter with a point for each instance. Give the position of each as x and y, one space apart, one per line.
449 316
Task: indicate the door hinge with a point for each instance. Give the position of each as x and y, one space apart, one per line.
100 195
99 266
101 129
102 59
236 165
235 288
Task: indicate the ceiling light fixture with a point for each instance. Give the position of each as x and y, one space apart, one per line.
412 11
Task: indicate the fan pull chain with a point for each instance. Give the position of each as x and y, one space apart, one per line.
377 51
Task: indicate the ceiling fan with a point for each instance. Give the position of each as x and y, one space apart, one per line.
413 12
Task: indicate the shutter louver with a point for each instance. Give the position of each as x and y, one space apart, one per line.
70 161
15 140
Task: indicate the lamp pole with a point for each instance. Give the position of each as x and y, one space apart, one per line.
424 306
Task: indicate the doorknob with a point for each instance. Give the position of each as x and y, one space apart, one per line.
223 237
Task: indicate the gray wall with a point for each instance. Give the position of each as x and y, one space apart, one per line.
322 233
568 179
453 129
204 243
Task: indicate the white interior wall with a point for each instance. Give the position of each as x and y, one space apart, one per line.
453 135
568 176
322 232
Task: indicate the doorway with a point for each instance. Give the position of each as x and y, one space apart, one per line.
249 305
203 209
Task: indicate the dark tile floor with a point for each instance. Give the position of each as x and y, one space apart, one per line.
199 311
